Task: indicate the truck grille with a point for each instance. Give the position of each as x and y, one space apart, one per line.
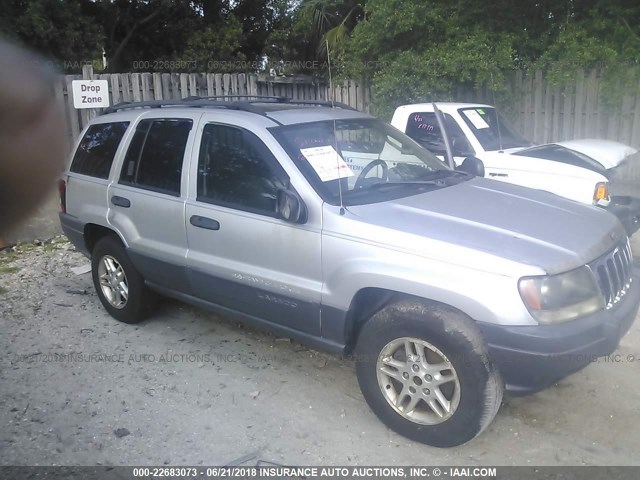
614 273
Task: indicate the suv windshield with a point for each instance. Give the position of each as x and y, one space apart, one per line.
365 160
492 130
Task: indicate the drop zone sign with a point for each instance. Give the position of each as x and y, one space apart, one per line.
90 93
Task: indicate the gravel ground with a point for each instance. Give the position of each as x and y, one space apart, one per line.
190 387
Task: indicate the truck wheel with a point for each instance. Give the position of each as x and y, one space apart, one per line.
119 285
426 373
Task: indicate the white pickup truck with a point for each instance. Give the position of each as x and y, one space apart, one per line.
576 169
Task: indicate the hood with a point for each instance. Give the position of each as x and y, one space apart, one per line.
527 226
607 153
559 153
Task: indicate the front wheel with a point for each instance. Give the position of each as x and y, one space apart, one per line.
426 373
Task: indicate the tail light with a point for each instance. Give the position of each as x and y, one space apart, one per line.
601 192
62 189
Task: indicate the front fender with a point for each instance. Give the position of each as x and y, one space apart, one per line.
483 296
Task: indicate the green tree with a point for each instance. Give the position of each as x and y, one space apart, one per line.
216 49
330 21
418 51
63 31
604 36
144 31
413 50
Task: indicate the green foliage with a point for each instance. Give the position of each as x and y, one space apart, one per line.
148 33
413 52
216 49
288 44
60 30
602 39
8 270
257 18
329 22
410 50
144 32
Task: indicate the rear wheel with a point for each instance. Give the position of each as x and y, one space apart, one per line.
119 285
426 373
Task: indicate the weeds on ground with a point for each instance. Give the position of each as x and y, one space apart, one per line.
56 243
7 269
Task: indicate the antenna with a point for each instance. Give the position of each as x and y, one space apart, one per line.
335 132
495 109
330 79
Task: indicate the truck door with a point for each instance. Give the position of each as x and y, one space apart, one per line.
241 256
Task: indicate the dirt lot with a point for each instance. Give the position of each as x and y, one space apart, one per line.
189 387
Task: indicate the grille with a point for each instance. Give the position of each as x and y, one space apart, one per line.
614 273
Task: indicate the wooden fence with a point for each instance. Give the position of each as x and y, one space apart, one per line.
175 86
543 113
546 113
550 113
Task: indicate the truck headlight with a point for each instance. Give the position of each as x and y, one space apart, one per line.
601 193
563 297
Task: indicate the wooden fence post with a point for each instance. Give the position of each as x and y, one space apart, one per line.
87 114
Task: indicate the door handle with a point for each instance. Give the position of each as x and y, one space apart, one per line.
204 222
120 201
503 175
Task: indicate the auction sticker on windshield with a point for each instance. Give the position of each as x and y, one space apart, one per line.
475 118
327 163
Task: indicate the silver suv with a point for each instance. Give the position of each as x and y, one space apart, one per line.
331 227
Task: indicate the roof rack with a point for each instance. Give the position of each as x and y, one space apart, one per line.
248 104
258 98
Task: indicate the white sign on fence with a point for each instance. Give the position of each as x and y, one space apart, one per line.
90 93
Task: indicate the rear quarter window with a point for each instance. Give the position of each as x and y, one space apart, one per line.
97 149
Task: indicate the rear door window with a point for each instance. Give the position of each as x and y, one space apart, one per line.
155 156
97 149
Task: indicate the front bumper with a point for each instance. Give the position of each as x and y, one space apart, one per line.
627 209
531 358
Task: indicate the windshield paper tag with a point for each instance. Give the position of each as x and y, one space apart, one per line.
327 163
475 118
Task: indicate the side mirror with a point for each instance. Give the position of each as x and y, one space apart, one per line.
290 207
472 165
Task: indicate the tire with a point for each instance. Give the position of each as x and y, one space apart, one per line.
110 261
401 395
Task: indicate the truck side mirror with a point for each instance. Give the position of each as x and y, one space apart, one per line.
472 165
290 207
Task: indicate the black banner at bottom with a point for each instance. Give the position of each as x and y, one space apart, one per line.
267 471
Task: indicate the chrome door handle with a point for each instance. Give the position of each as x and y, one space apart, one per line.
204 222
121 201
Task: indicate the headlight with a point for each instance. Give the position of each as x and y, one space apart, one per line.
563 297
601 192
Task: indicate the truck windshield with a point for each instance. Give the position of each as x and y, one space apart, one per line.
355 158
492 130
